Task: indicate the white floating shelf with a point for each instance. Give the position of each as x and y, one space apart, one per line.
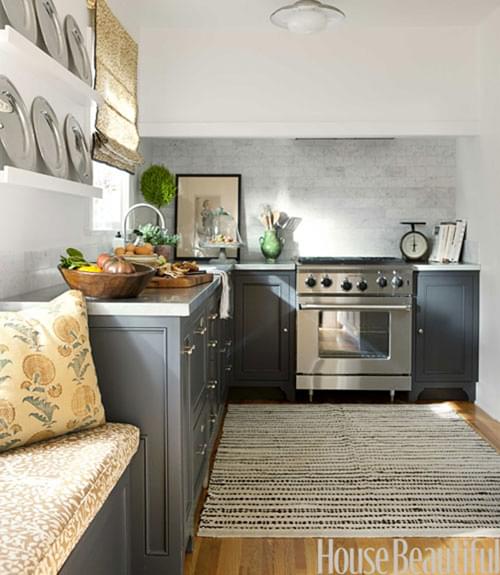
24 178
22 51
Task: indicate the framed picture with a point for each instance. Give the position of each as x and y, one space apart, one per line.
197 197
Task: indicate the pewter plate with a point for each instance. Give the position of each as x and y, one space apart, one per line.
16 131
78 150
49 138
52 32
19 14
78 56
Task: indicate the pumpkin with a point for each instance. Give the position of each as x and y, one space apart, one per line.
118 266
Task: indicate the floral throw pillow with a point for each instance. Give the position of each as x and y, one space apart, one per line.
48 382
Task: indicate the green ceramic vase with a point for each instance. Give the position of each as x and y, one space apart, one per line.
271 245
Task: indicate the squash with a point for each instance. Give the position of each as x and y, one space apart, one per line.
102 259
118 266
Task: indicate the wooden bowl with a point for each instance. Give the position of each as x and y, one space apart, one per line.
109 286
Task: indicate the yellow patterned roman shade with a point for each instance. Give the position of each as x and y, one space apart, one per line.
117 139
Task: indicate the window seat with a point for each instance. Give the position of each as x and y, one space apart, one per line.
50 492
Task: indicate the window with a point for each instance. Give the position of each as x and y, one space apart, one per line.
108 212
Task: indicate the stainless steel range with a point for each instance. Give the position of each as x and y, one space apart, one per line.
354 324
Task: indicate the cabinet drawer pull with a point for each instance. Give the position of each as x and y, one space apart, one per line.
202 450
213 316
213 343
200 331
213 419
213 384
189 349
229 368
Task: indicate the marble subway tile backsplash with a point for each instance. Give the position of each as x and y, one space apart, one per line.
348 196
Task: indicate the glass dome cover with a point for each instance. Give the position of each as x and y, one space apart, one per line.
222 231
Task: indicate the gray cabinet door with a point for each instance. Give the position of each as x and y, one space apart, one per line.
446 328
264 327
138 366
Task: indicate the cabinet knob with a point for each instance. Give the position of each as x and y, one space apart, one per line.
421 331
285 330
213 343
189 349
213 384
202 450
201 331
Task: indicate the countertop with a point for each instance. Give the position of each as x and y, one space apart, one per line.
152 302
436 267
291 266
176 302
252 266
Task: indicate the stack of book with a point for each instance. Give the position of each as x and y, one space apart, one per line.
448 242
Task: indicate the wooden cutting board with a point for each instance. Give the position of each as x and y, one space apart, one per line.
183 282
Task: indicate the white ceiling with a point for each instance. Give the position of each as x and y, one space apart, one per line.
255 13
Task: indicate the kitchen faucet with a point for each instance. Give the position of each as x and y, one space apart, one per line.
132 209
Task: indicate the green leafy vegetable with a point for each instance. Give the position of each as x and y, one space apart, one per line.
74 260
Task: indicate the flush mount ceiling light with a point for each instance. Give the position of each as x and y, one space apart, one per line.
306 16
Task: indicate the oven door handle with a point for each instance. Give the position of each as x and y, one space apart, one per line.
353 307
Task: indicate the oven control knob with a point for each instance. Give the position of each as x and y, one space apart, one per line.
311 281
397 282
326 282
382 281
346 285
362 285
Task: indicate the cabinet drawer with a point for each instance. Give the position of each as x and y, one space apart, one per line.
213 346
213 418
198 377
200 445
213 322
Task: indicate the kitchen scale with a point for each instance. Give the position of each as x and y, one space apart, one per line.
414 245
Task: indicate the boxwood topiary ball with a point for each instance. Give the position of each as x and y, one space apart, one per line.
158 186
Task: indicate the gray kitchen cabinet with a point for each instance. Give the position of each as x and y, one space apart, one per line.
153 372
446 335
264 330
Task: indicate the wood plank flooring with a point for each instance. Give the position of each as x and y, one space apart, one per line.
300 556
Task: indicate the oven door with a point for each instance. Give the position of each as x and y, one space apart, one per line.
354 336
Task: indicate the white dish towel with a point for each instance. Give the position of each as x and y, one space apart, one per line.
225 300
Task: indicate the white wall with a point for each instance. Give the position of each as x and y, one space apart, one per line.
349 81
479 202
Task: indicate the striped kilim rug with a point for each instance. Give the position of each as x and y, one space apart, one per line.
351 471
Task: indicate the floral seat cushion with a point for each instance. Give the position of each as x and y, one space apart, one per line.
51 492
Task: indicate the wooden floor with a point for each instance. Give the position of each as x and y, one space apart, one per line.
300 556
